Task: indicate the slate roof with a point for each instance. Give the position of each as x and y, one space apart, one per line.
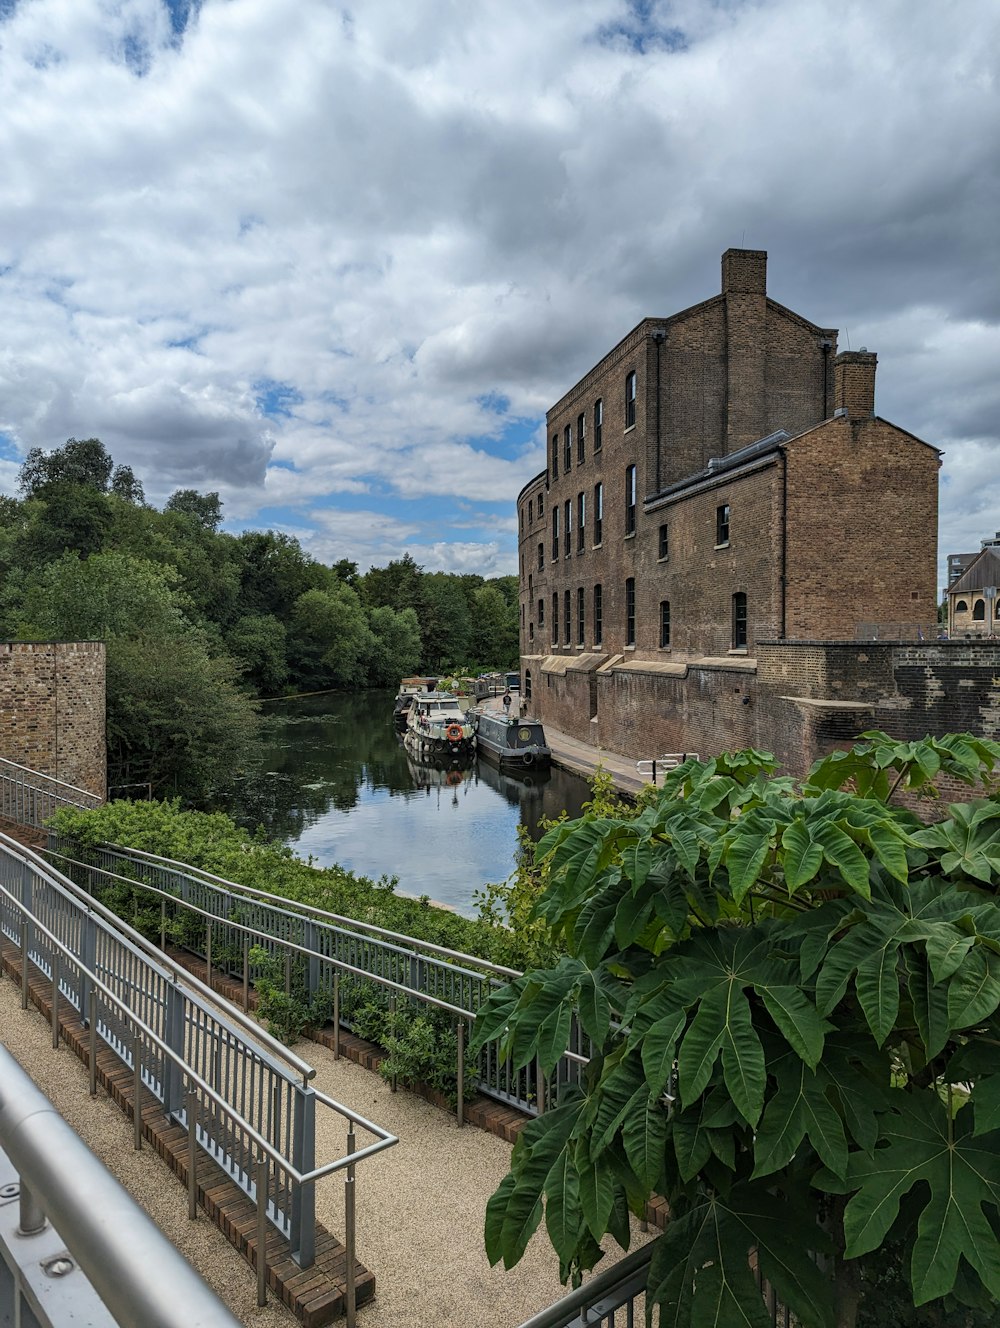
983 571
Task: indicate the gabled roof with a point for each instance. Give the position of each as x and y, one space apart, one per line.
983 571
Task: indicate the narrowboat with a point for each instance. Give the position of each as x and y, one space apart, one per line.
436 725
408 689
514 743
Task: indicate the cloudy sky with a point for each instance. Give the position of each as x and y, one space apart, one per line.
335 261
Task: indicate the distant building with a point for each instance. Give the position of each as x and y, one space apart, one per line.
973 604
718 480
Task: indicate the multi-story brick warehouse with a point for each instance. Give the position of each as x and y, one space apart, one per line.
718 480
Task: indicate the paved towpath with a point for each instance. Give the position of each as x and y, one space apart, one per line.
420 1204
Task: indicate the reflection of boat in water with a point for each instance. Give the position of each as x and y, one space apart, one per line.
520 788
437 726
516 744
408 689
438 772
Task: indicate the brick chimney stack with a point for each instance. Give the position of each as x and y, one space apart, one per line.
744 289
854 383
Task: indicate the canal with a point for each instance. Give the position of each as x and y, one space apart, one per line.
337 786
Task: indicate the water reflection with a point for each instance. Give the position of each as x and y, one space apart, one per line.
335 782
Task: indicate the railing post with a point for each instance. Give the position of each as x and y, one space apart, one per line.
173 1036
27 902
55 999
31 1218
88 960
163 924
460 1075
208 953
136 1092
336 1014
246 972
92 1032
302 1236
392 1011
191 1106
350 1291
262 1171
311 941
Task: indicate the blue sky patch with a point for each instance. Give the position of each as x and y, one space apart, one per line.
276 399
641 30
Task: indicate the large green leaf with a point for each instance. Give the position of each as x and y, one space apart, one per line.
658 1047
594 1008
961 1175
562 1205
597 1195
841 852
802 857
929 1000
797 1019
644 1135
699 1051
801 1108
742 1056
974 993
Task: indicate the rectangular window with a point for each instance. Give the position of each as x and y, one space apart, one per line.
580 625
739 620
581 521
555 456
541 557
520 517
581 439
722 524
555 534
630 400
531 631
630 611
531 510
664 545
531 585
555 617
541 505
567 448
598 512
568 534
664 622
630 500
541 613
567 633
598 615
598 424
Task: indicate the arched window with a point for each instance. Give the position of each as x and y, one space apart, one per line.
979 610
962 606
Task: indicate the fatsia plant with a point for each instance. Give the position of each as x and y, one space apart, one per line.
792 997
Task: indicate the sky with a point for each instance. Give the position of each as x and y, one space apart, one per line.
335 262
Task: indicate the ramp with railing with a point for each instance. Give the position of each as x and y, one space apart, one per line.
221 921
241 1098
29 797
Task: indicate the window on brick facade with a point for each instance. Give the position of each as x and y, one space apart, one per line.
531 585
531 510
541 613
580 621
739 620
567 627
997 614
598 424
722 524
630 611
598 512
630 500
527 684
567 448
541 505
541 557
555 456
568 534
520 517
581 439
598 615
962 606
979 610
555 617
664 545
630 400
522 615
555 533
531 631
664 622
581 521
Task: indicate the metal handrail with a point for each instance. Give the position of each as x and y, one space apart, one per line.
277 1049
310 910
132 1266
528 1095
596 1301
268 1153
40 774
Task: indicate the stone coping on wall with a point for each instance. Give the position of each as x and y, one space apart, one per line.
818 704
682 667
571 663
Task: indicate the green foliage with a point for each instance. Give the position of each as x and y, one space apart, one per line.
793 997
290 1013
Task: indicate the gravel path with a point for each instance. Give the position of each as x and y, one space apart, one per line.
420 1204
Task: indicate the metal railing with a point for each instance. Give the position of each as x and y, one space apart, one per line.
29 798
616 1296
324 948
242 1097
658 766
75 1247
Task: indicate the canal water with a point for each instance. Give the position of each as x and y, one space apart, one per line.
337 785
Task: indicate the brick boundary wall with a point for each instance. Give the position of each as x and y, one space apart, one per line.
52 709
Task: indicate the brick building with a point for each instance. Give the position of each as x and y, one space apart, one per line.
720 479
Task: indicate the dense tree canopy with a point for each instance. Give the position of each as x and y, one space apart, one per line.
793 1001
83 556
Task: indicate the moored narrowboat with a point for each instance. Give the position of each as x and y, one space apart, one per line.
437 726
514 743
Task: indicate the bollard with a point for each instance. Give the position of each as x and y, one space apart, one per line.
31 1219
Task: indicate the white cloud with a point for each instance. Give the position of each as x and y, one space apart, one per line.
408 211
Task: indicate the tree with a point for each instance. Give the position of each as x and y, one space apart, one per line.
329 638
793 999
493 633
395 646
80 461
203 508
258 642
124 485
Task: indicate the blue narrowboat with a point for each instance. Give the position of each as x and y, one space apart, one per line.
513 743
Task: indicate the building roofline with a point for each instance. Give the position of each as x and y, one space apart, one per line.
542 475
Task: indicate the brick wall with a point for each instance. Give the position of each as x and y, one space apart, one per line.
52 710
